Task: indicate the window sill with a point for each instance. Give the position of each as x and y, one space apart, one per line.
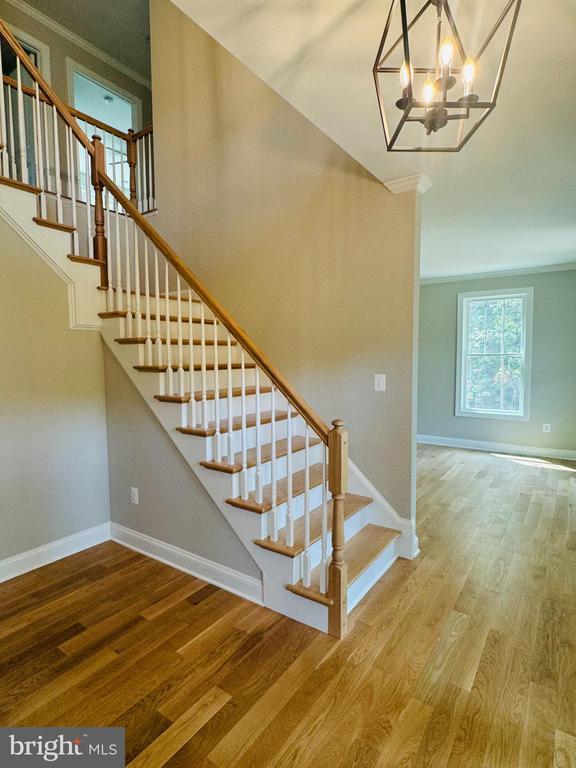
494 415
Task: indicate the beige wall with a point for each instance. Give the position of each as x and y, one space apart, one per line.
553 384
53 455
61 48
310 253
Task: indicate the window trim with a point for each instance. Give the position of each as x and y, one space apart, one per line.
42 49
460 389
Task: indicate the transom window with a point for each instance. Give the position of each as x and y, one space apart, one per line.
494 337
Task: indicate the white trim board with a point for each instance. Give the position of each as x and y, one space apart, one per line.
53 551
568 266
482 445
79 41
222 576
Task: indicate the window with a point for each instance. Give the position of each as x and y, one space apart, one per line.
494 339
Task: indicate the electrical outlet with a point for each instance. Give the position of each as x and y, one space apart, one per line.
379 382
546 427
134 495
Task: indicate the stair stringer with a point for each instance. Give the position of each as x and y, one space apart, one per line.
17 208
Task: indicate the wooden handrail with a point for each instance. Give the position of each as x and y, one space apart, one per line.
305 410
140 134
61 108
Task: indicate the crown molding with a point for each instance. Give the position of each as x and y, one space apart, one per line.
498 273
419 183
79 41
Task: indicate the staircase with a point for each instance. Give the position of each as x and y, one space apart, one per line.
318 530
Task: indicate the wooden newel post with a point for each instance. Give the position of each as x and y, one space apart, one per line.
131 154
338 570
100 244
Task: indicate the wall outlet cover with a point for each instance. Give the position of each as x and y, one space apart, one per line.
134 495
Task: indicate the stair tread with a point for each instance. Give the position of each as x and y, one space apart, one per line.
20 185
223 394
298 444
173 318
53 224
173 341
184 296
197 367
298 478
352 504
86 260
265 418
359 553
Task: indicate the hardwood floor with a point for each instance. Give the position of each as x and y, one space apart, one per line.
462 658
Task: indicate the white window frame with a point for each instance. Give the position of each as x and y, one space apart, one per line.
527 294
41 49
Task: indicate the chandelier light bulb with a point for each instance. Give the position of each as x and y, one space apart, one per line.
428 90
405 75
469 72
447 53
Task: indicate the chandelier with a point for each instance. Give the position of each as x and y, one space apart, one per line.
438 80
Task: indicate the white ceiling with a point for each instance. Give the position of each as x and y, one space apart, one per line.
508 200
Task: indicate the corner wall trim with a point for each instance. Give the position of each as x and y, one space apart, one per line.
419 182
481 445
53 551
222 576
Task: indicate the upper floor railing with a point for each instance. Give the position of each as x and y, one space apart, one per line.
43 145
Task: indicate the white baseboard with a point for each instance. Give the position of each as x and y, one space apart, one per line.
229 579
55 550
482 445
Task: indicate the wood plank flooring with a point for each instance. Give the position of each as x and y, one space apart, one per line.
462 658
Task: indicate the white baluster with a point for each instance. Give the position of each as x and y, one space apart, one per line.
191 361
324 560
151 201
230 436
46 146
22 151
12 146
138 289
306 562
273 468
4 158
88 196
244 435
39 149
57 174
289 500
72 185
157 312
217 436
119 292
203 365
169 369
181 385
35 140
149 349
109 291
259 490
127 259
139 164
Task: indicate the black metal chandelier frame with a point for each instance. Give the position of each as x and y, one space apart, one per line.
436 115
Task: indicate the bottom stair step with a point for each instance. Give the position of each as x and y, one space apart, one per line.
359 553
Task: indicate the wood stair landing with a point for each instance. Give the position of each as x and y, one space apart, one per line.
298 479
298 444
265 418
352 504
359 553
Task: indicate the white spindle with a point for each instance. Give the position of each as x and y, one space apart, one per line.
324 560
230 411
243 430
191 361
169 369
127 259
46 146
259 489
149 356
139 165
119 292
88 196
306 563
109 291
180 330
72 183
4 158
217 438
289 500
157 312
22 150
35 141
151 201
57 175
39 149
137 288
12 146
273 468
203 365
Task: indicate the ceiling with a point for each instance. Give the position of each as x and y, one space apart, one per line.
120 28
508 200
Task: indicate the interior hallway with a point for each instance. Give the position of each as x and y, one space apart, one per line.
462 658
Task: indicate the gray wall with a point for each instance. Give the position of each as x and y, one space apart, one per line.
53 456
307 250
173 505
553 397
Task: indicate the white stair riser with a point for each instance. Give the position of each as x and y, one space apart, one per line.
371 575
